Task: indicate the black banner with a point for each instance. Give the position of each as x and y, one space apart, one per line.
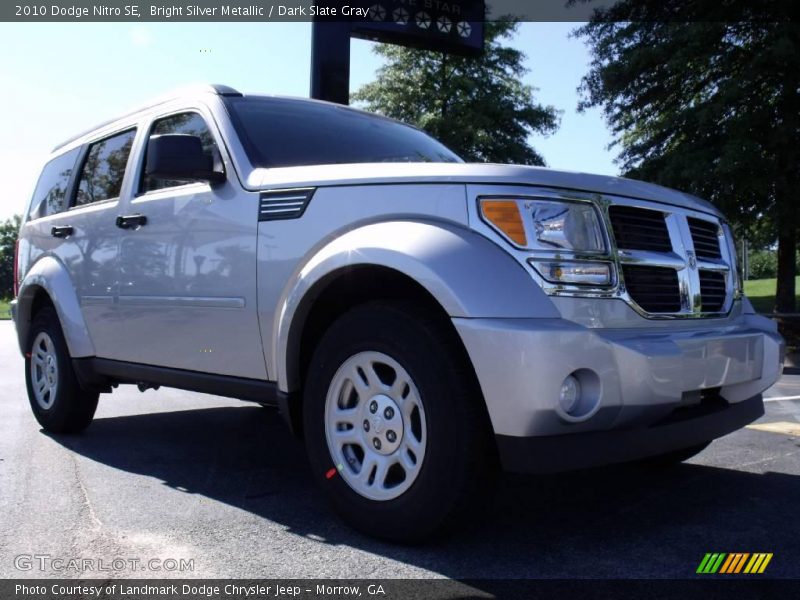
398 12
392 589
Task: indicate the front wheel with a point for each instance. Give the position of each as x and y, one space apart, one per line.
395 427
59 404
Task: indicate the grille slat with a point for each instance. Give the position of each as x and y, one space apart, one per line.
639 229
712 290
655 289
705 236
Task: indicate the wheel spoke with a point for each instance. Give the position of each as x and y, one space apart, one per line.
406 460
397 389
346 415
368 464
362 389
347 436
381 473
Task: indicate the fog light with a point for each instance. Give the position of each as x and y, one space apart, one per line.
570 394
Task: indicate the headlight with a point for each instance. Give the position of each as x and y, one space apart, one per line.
547 224
559 233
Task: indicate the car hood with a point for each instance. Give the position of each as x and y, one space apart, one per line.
478 173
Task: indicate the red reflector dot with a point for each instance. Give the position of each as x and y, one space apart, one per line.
330 473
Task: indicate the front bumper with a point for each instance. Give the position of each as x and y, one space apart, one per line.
683 429
644 377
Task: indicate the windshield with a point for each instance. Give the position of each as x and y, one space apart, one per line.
281 132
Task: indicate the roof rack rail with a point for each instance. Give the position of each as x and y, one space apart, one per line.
214 88
225 90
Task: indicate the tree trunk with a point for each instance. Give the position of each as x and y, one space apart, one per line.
787 246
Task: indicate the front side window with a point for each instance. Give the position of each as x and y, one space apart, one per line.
188 123
50 196
104 168
283 132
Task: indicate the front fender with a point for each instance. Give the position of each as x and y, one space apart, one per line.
50 275
470 277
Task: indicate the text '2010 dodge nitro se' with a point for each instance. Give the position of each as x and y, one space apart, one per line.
418 320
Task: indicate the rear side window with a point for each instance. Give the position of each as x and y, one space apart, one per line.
50 196
188 123
104 168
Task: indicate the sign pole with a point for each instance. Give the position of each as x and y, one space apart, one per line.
330 61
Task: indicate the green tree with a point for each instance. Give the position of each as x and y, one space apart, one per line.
712 108
478 107
9 230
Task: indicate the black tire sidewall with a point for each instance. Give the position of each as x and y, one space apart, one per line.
72 407
430 363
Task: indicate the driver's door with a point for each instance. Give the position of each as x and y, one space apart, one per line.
187 285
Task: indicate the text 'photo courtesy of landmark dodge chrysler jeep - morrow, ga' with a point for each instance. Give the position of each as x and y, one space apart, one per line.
418 320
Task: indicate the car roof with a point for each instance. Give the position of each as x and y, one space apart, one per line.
194 90
198 90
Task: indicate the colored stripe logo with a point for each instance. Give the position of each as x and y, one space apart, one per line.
734 562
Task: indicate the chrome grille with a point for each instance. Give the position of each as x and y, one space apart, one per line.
712 290
673 262
705 236
639 228
655 289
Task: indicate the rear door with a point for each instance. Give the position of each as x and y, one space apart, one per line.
187 297
72 219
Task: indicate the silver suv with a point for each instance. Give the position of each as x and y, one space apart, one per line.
416 319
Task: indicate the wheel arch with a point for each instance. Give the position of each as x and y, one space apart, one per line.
455 270
48 283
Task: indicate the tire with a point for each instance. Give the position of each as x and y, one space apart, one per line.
59 404
427 400
675 457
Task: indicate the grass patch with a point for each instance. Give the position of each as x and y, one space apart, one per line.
5 309
761 293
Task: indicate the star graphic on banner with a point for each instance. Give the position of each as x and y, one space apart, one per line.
464 29
423 20
444 24
401 16
377 12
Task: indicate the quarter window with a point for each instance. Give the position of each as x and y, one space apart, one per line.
104 168
188 123
50 196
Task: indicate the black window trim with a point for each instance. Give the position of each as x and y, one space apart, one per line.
70 183
84 155
142 159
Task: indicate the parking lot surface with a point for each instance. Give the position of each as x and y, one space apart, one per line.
221 484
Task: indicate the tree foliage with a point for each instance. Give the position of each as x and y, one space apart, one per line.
9 230
712 108
478 107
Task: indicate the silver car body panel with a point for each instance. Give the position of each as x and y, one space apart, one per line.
421 220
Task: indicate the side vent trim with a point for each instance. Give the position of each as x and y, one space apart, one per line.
284 204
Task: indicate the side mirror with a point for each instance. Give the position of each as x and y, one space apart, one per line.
180 157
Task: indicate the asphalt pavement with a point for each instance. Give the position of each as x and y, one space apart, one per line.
168 480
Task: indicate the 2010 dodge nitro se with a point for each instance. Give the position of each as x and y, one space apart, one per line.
418 320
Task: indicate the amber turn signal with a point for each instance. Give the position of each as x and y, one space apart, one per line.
504 214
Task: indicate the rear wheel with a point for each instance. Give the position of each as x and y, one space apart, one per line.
394 424
59 404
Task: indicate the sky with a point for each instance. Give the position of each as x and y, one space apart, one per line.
60 79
